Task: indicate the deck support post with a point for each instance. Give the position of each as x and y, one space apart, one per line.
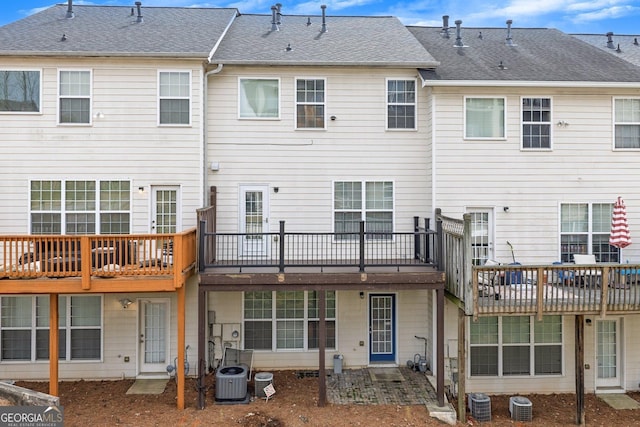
322 339
53 344
202 311
180 374
461 366
579 338
440 346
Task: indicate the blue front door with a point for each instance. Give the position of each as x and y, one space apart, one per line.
382 328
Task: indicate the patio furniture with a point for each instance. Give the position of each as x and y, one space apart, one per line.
587 277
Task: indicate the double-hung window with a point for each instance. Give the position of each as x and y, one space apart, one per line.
516 346
369 201
24 328
585 229
74 97
174 97
310 103
627 122
536 123
287 320
259 98
80 207
484 118
20 91
401 104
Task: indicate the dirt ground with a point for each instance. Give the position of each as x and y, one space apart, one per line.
105 403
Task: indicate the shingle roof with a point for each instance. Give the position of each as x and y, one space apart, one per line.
629 45
540 55
113 31
349 40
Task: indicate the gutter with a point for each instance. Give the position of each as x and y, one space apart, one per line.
524 83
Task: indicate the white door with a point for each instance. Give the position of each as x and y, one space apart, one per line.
254 220
154 336
608 353
481 235
165 215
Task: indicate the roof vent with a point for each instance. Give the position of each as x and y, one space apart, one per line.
480 35
139 18
288 48
279 13
635 41
618 49
610 40
324 18
70 13
458 42
132 12
509 38
502 66
445 27
308 21
274 21
63 38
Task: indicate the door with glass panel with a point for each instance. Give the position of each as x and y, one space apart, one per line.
608 367
165 216
254 220
382 328
154 336
482 244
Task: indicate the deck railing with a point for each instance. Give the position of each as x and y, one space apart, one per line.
285 249
57 256
556 289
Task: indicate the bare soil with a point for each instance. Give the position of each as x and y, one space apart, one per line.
105 403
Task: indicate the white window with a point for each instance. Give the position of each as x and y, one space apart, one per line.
287 320
627 123
355 201
174 97
536 123
310 103
20 91
401 104
516 346
24 328
259 98
75 97
585 229
485 118
80 207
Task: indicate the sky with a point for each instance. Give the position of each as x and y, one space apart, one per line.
570 16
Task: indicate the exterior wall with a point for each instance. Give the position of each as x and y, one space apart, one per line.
126 143
352 327
304 163
120 338
581 167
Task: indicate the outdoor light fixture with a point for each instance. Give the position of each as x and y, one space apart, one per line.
125 302
505 208
140 190
361 295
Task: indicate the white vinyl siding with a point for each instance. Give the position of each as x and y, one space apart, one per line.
485 118
259 98
536 123
24 328
310 103
174 97
401 104
627 122
74 94
20 91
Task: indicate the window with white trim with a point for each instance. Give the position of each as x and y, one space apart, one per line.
627 122
74 97
310 103
174 97
259 98
80 207
401 104
485 118
516 346
24 328
287 320
536 123
585 229
368 201
20 91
